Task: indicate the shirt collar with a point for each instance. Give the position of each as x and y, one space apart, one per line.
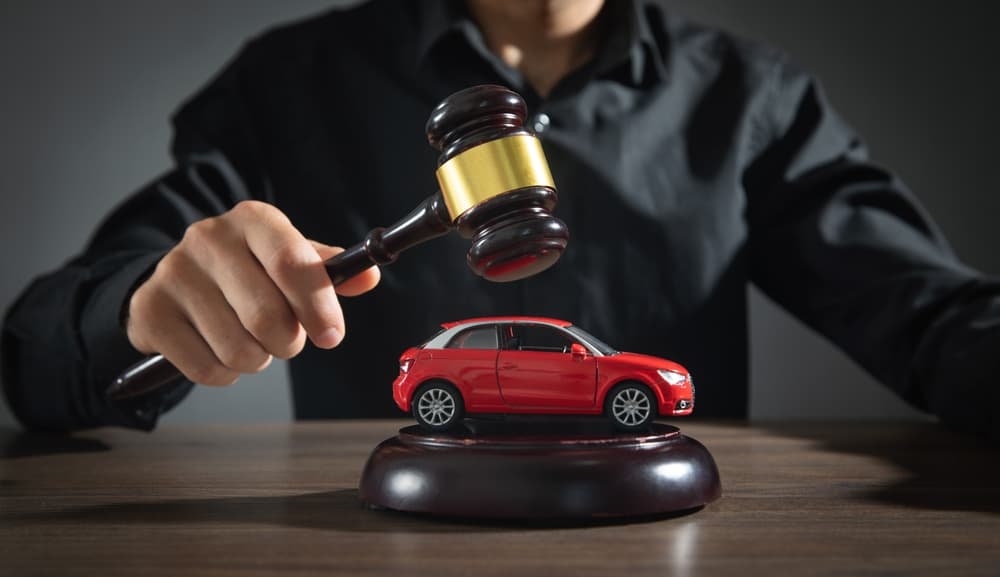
630 45
437 19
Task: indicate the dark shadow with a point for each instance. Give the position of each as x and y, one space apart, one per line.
16 444
339 510
946 470
556 426
716 118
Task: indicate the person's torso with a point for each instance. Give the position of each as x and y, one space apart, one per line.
649 186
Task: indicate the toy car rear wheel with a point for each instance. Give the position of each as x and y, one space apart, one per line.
438 406
630 406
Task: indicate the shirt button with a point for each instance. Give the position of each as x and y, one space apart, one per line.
541 122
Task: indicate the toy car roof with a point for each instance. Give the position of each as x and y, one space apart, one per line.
514 319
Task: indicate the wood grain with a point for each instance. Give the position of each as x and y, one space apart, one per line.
798 499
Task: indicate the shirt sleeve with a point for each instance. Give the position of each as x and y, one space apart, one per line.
844 246
63 340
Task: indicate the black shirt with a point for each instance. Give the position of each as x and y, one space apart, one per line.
689 163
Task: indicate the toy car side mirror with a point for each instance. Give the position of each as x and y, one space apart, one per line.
578 351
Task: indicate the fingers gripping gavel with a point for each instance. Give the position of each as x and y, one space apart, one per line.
495 189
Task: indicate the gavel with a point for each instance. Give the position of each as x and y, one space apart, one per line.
495 189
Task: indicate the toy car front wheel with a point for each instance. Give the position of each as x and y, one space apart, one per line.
630 406
438 406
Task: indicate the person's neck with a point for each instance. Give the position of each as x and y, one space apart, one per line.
542 39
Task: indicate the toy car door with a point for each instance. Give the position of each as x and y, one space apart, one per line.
536 368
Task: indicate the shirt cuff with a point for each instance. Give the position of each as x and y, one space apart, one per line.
109 352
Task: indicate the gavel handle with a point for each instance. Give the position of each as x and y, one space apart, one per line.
380 246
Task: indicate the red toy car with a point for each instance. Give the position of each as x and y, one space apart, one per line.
533 365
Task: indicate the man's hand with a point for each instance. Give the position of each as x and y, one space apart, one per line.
238 290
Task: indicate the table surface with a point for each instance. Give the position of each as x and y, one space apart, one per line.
798 499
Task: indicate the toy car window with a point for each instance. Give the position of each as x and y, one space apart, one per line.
434 336
475 338
540 338
597 343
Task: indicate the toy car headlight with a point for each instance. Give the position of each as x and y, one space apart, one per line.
672 377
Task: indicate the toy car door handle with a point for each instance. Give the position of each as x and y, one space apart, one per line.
508 366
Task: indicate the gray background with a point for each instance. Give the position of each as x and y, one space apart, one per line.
88 85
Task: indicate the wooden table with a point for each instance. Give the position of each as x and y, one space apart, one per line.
799 499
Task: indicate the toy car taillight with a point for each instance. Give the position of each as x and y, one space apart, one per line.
405 364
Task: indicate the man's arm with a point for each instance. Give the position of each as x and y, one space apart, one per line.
842 244
63 339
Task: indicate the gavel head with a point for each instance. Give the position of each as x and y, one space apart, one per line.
496 183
